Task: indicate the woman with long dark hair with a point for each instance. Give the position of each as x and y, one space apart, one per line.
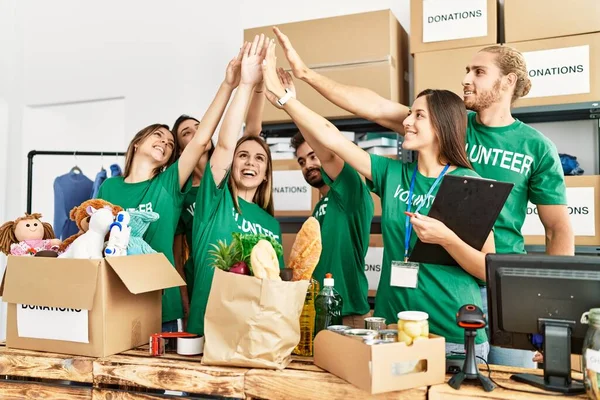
435 129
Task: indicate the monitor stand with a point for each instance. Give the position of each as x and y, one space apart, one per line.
557 359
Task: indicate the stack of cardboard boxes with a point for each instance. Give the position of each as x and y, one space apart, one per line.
367 50
561 45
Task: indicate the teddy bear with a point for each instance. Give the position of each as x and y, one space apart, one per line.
91 243
28 235
81 217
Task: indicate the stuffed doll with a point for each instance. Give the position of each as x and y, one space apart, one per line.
139 222
81 217
27 236
90 244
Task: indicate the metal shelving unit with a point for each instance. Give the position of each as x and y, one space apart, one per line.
550 113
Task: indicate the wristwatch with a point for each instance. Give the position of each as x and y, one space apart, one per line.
285 98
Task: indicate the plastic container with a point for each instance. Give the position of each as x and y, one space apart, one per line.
412 325
328 306
590 359
307 321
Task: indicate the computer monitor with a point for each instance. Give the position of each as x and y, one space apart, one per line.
533 297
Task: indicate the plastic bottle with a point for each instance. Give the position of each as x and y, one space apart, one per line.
328 306
307 321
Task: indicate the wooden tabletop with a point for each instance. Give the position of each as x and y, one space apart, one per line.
135 374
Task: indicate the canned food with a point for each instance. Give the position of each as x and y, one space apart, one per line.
389 335
370 341
361 334
338 328
375 323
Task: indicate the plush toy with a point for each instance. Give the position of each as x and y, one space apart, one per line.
81 217
91 243
118 237
27 235
139 223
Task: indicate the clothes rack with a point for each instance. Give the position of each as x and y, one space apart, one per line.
34 153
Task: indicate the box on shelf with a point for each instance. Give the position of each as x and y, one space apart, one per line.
85 307
562 70
442 24
380 368
583 198
444 69
553 18
292 195
366 49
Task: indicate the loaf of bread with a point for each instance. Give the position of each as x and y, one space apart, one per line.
263 259
306 250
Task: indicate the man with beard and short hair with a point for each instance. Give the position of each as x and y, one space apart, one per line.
344 212
498 146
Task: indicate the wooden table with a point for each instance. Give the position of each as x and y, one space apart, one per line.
35 375
134 375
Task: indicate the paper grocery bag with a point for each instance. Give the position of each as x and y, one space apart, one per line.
251 322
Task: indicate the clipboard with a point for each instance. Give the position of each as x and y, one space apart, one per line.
469 206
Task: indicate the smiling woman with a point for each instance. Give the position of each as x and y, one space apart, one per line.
156 180
235 194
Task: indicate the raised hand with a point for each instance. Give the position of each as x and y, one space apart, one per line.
233 71
251 62
287 81
274 88
299 69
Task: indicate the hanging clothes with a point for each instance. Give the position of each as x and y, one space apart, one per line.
100 178
115 170
70 190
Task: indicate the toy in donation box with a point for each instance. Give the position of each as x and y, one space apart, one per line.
253 316
97 293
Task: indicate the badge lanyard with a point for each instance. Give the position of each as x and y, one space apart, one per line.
408 225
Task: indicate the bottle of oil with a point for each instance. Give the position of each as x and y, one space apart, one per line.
307 321
328 306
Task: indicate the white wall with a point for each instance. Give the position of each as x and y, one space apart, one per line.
65 57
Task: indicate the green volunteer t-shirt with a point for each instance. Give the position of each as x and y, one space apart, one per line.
441 289
345 215
186 224
162 195
219 218
522 155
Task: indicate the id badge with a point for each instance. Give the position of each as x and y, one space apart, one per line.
404 274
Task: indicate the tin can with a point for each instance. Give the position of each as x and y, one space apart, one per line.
361 334
338 328
370 341
375 323
389 335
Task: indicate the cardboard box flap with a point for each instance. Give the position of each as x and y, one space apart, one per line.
328 348
145 273
53 282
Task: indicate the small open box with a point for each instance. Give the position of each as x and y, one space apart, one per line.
85 307
382 367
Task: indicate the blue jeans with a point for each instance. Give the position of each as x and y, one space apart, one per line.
170 326
502 356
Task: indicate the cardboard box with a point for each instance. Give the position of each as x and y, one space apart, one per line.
553 18
376 368
374 261
443 69
562 70
442 24
366 49
292 195
583 197
113 304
